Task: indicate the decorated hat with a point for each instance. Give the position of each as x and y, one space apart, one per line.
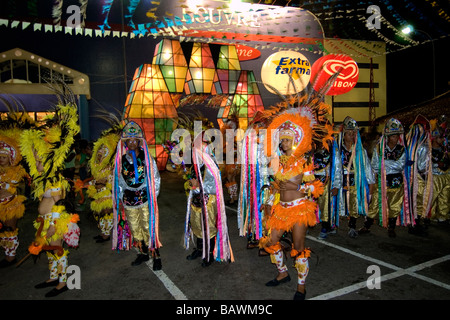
350 124
422 121
132 130
438 126
289 130
393 126
291 125
9 146
8 150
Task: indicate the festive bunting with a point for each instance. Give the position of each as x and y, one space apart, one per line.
275 21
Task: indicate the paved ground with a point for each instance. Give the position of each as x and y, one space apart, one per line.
411 267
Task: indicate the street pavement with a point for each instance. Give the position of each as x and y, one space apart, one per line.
371 267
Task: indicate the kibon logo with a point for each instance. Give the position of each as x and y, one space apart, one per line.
279 68
344 68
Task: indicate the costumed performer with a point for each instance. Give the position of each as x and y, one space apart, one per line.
441 173
357 175
136 186
45 150
389 162
101 166
206 217
12 206
296 184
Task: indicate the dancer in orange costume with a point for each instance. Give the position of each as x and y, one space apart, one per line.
295 182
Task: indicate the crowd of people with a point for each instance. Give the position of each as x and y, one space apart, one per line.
315 174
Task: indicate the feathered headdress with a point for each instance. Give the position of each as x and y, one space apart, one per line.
310 104
9 145
50 142
104 148
439 127
11 128
293 124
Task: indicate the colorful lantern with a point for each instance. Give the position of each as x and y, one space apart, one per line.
202 72
228 70
170 58
247 101
150 104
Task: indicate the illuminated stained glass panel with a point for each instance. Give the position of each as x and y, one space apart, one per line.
228 71
228 58
246 102
201 73
172 62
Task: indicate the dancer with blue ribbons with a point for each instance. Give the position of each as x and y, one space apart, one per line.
136 187
357 176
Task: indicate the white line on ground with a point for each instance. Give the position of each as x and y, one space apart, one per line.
359 255
170 286
179 295
398 273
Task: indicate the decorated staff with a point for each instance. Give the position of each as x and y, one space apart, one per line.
328 169
136 186
254 196
419 174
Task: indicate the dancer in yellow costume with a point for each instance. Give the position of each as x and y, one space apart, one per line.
45 149
11 202
100 188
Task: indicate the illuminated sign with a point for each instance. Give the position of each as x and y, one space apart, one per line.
324 68
287 72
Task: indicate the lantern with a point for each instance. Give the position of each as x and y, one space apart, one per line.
202 72
228 70
150 104
247 101
170 58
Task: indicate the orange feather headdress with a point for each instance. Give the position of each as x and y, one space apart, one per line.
294 124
